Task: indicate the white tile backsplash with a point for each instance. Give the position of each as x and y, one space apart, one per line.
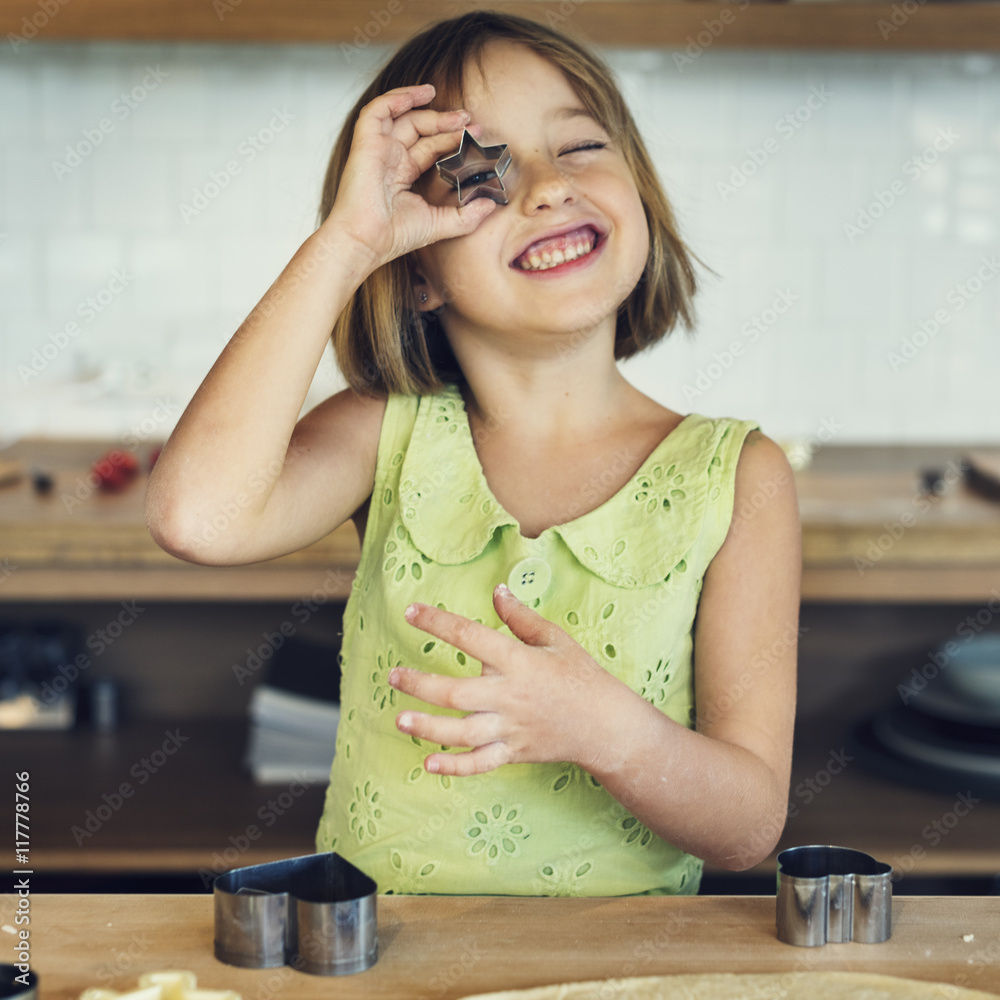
207 176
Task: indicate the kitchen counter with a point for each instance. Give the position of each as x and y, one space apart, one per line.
445 947
868 534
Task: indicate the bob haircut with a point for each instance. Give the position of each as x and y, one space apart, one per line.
383 342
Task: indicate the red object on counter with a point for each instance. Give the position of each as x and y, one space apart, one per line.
115 470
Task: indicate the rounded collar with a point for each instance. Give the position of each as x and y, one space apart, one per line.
634 539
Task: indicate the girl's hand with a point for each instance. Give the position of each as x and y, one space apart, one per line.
395 141
540 699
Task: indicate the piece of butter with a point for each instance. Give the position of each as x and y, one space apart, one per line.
166 984
174 983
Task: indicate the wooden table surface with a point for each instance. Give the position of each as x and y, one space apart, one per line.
441 947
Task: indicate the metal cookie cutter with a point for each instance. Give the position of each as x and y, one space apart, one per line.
316 913
832 894
475 170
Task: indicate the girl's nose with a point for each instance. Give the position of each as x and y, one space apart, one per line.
539 183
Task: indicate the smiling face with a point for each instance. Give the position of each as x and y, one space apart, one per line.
571 243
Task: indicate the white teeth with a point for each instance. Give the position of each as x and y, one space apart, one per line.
545 259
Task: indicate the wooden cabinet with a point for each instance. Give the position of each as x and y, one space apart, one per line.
882 560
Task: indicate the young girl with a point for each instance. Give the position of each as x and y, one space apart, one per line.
568 664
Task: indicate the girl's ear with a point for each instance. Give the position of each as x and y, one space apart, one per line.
427 296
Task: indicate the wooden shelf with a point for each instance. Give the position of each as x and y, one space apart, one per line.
867 535
647 23
200 810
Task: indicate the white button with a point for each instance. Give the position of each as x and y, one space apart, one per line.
529 579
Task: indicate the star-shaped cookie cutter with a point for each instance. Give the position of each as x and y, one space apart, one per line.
475 170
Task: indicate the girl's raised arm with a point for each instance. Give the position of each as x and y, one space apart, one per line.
239 481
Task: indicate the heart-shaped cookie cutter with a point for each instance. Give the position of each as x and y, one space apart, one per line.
315 913
832 894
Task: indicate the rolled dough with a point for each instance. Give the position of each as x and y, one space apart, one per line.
747 986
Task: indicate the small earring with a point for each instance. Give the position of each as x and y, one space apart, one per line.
423 297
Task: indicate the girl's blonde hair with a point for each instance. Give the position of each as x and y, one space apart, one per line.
384 344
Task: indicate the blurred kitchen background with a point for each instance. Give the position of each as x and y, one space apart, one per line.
848 199
829 130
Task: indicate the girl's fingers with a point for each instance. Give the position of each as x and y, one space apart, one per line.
376 116
461 221
479 761
400 113
477 640
445 730
427 148
425 123
463 694
528 625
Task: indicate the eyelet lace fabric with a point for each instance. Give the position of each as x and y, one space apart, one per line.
622 579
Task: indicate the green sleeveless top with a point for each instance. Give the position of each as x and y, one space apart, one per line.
622 579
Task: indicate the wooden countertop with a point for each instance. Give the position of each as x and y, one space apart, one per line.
868 535
447 947
200 812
